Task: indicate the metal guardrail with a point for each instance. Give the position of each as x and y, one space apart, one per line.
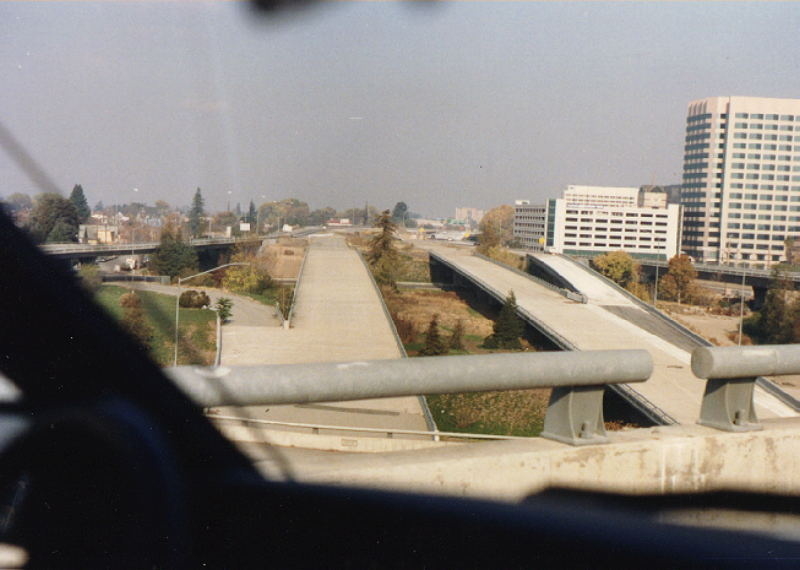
732 373
637 400
574 415
389 432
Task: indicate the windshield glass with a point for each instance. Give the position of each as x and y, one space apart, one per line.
381 181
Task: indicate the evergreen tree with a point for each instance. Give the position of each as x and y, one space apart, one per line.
775 322
252 215
63 232
134 321
49 210
434 343
173 256
457 338
381 253
78 200
196 214
508 327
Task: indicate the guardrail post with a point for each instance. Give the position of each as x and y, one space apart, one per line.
731 374
728 404
575 415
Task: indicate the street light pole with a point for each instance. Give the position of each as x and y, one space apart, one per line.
741 305
178 298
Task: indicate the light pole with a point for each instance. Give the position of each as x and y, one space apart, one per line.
655 288
178 298
741 305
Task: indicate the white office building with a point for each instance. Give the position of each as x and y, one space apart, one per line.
741 179
609 220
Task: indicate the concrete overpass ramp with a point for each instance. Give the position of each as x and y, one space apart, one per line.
608 320
622 306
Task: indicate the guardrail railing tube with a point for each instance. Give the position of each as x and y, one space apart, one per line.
575 415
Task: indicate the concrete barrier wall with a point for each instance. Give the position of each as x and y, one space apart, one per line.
653 460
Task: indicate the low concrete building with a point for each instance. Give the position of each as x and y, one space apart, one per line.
589 220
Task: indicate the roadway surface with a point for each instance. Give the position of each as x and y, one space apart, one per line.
338 317
608 321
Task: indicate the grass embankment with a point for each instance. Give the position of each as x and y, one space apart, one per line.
197 326
519 412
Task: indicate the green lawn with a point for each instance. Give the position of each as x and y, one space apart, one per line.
197 326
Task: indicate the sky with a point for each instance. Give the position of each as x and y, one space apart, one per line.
437 105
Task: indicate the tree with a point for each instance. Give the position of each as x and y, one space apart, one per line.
252 215
49 210
90 277
457 338
381 252
775 322
618 266
225 219
18 202
508 327
173 256
134 321
224 309
81 205
678 284
319 217
399 213
434 343
196 214
497 227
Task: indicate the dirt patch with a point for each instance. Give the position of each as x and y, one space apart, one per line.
721 330
419 306
284 258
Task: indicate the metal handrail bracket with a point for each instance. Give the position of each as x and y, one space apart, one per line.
731 374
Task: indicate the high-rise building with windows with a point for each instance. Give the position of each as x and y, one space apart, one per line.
741 179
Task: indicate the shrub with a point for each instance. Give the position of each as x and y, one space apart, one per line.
224 308
192 299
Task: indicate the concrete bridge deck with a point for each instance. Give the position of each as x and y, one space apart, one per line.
608 321
338 317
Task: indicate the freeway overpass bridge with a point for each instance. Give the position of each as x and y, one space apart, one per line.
587 313
758 279
73 251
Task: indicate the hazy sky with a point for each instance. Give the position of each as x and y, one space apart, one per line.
461 104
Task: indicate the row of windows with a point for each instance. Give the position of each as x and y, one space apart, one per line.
759 146
759 156
696 146
754 176
699 118
762 126
660 242
767 117
764 197
757 166
760 137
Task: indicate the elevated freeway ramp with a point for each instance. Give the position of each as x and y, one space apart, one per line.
338 316
607 320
